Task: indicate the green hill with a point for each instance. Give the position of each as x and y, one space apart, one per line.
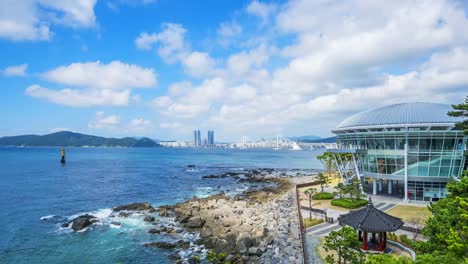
66 138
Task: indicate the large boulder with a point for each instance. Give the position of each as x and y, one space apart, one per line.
134 207
195 222
81 222
162 245
149 218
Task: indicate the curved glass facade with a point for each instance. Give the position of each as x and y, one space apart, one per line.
430 153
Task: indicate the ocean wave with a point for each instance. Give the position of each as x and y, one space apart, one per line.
205 188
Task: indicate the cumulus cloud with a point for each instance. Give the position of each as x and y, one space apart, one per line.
344 57
229 29
113 123
262 10
94 83
171 44
80 97
32 20
114 75
101 120
15 70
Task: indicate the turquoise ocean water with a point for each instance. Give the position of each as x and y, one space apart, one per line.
37 193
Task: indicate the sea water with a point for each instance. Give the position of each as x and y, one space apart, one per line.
37 194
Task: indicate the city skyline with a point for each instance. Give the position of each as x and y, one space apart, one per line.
258 68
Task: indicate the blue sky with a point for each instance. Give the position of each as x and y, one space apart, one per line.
162 68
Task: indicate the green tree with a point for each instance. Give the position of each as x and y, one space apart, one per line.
310 193
323 180
346 244
447 229
340 187
327 161
461 110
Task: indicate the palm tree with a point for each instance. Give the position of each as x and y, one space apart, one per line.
310 192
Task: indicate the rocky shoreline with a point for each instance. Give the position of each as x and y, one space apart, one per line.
259 225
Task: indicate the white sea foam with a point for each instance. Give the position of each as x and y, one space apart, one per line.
115 226
205 188
47 217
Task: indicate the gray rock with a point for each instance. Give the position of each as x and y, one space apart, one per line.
133 207
254 251
195 222
82 222
162 245
149 218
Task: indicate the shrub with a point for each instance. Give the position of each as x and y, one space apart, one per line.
323 196
406 241
349 203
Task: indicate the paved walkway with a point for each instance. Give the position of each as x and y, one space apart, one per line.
325 228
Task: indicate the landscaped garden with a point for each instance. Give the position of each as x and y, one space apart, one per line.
412 214
350 203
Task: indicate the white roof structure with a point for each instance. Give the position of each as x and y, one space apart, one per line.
401 115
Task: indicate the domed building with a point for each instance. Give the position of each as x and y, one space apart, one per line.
409 149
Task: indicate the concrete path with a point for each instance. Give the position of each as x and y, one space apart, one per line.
325 228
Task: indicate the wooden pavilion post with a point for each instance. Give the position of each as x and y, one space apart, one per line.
385 240
364 242
360 235
380 245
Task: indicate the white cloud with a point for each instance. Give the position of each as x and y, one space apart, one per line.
173 125
229 29
80 97
198 63
343 57
94 83
262 10
114 75
32 19
15 70
139 124
101 120
114 124
171 42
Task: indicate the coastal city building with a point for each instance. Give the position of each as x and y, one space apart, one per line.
210 138
408 150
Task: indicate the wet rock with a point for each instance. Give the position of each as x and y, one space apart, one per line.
154 231
134 207
175 257
191 166
162 245
124 214
183 244
149 218
116 223
82 222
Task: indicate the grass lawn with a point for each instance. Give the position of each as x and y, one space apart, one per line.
311 222
414 214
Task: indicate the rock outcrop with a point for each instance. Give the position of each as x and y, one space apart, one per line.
81 222
134 207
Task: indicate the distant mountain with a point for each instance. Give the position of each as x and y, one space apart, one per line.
66 138
304 138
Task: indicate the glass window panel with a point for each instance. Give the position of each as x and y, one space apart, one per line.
425 144
434 171
389 143
436 144
413 143
449 143
381 165
422 170
379 143
400 143
444 171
